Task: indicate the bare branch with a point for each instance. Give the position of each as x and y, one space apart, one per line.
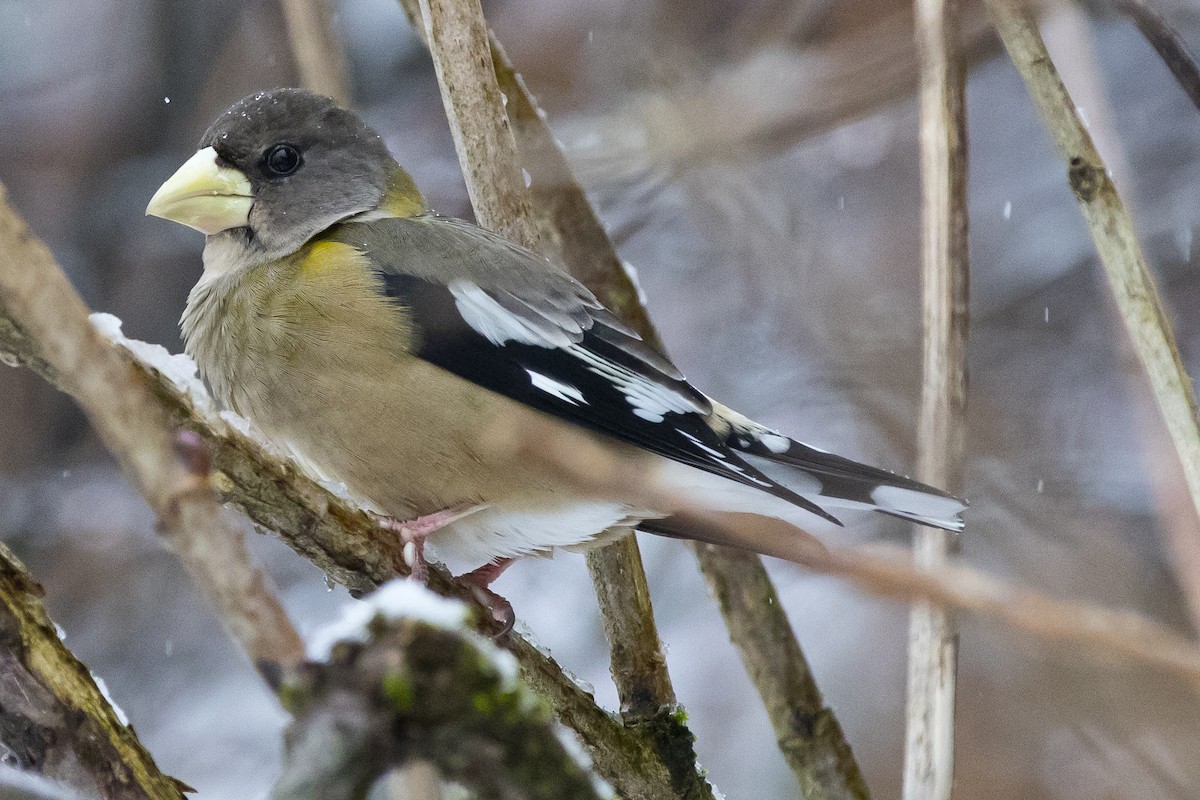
55 719
1167 43
1124 263
888 572
458 41
317 48
806 729
638 664
933 632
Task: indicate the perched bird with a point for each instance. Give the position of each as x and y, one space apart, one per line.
385 344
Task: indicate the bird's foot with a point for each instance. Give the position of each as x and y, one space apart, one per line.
413 533
479 581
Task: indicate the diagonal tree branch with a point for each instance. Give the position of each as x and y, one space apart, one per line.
55 719
806 729
1129 277
1167 43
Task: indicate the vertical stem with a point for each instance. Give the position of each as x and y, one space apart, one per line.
637 662
933 635
462 57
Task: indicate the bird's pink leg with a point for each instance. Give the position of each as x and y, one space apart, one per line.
414 532
480 580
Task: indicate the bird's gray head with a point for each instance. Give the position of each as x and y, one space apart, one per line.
277 168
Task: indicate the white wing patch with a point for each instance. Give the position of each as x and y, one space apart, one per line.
563 391
923 507
499 325
775 442
649 400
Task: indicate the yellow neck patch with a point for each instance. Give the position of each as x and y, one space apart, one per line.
403 198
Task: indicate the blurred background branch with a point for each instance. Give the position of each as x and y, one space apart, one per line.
317 47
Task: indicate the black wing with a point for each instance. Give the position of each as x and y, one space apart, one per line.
507 320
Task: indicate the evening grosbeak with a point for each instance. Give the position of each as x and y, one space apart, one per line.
385 345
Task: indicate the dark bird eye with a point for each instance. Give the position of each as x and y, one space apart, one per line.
281 160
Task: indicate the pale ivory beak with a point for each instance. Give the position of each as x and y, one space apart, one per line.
204 195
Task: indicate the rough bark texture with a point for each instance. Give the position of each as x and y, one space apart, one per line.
420 692
54 720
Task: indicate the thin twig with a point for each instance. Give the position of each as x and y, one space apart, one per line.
637 661
1167 43
131 423
933 631
888 572
317 48
1124 263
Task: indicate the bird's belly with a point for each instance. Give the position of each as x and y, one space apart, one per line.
412 439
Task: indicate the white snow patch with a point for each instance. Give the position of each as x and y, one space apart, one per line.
402 598
103 687
240 424
396 598
179 368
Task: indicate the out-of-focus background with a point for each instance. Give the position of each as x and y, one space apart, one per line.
756 162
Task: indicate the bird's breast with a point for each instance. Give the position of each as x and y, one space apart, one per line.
318 359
